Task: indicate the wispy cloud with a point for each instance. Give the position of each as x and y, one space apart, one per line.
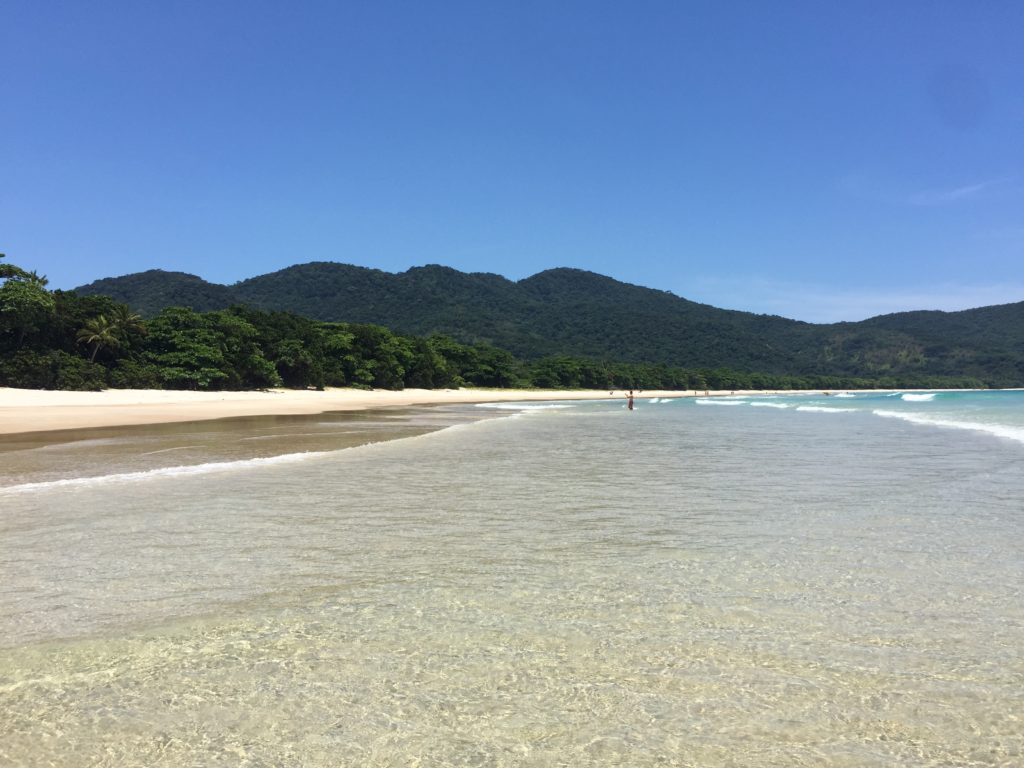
867 187
817 303
947 196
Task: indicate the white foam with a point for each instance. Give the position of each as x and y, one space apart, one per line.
87 443
843 395
922 398
718 401
285 435
521 406
999 430
769 405
149 474
824 409
168 450
234 466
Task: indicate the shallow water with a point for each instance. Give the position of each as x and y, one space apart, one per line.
681 585
79 454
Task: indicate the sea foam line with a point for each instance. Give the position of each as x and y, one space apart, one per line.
521 406
999 430
227 466
769 405
824 409
180 471
718 401
918 398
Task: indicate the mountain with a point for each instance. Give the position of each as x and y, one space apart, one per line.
149 292
574 312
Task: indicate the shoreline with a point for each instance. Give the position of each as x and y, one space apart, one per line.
33 410
36 410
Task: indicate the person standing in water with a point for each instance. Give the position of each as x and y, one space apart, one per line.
629 400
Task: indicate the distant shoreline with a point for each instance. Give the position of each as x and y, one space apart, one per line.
32 410
37 410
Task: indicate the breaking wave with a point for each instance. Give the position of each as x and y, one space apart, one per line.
999 430
824 409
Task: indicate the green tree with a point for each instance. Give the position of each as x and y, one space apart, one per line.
291 343
187 353
459 359
71 313
111 330
25 304
9 270
381 357
557 373
427 369
245 366
494 368
217 350
127 321
99 332
339 362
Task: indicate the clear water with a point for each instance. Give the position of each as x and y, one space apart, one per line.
823 583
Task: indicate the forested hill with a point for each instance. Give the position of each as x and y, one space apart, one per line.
573 312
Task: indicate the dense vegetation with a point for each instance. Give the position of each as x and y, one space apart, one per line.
584 315
70 340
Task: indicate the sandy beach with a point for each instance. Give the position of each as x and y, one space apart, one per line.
29 410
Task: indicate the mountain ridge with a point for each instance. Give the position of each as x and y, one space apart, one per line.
569 311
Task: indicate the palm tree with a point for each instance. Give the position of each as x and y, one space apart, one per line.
125 318
126 322
111 330
99 332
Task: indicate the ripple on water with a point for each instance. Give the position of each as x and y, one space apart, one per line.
678 589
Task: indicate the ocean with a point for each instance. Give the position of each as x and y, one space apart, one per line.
746 581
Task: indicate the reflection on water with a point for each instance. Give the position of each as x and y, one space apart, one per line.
676 586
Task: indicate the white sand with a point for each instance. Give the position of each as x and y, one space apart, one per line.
30 410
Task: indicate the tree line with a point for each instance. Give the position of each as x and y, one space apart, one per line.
64 340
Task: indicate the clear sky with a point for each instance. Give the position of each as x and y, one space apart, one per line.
819 160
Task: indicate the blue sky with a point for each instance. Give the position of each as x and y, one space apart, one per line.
819 160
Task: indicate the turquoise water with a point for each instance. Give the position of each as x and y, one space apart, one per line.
760 581
999 412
